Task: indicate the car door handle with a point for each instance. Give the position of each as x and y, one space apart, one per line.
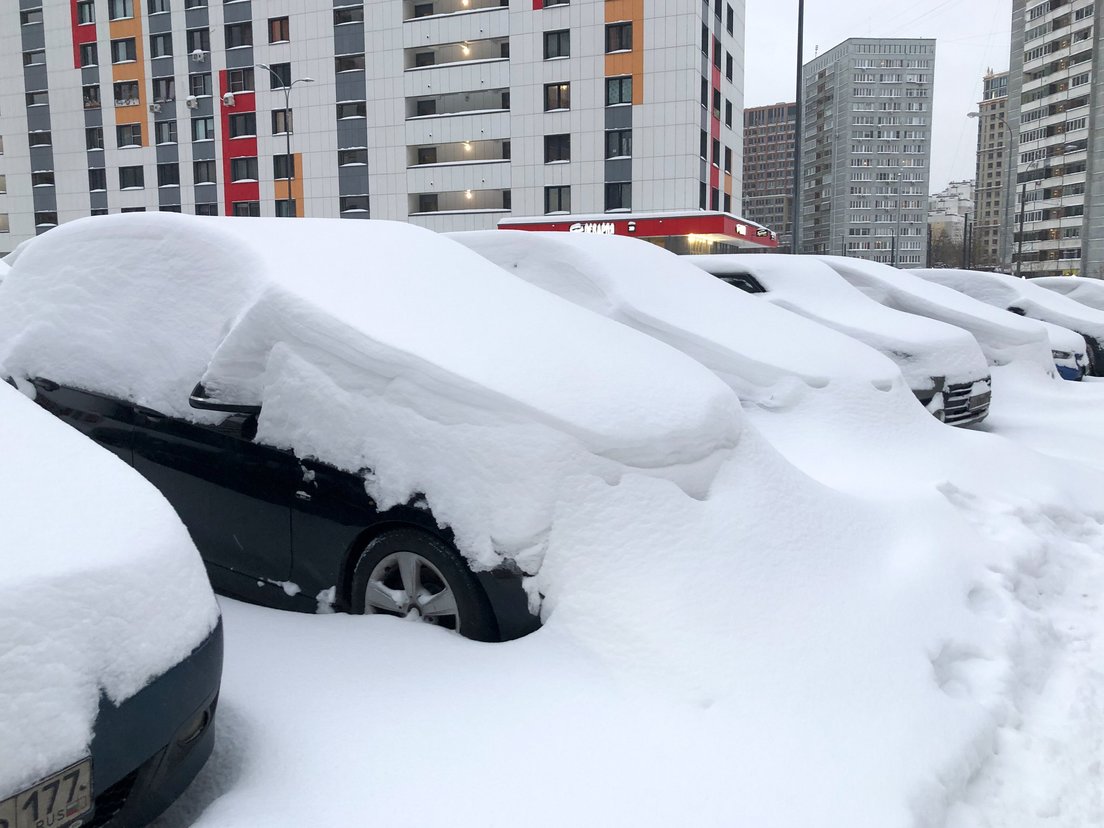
303 495
151 417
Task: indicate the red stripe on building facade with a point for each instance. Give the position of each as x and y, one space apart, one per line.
82 33
715 125
244 102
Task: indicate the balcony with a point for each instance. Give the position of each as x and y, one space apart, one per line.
458 103
459 201
459 153
452 54
417 9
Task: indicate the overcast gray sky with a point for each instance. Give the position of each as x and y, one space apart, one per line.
972 35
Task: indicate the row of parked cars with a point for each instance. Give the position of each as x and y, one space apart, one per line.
167 339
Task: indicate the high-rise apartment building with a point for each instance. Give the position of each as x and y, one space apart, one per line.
866 150
1055 104
452 114
993 182
769 135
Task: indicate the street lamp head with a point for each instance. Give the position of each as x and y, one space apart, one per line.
973 114
306 80
262 66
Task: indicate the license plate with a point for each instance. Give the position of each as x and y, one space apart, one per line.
55 802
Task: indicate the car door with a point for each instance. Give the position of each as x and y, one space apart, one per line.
232 493
106 420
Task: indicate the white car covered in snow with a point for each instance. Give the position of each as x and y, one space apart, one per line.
1023 297
110 637
1086 291
1003 338
943 365
361 416
768 355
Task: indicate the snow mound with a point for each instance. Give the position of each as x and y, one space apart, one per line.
101 589
922 348
1003 337
1086 291
417 341
761 352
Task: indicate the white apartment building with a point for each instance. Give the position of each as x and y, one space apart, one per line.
454 114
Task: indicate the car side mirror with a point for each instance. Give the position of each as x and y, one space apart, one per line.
200 399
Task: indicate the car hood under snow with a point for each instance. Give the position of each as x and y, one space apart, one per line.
1003 337
1086 291
759 350
922 348
101 589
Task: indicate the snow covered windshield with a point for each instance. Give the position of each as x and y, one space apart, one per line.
1086 291
100 588
1003 337
922 348
756 348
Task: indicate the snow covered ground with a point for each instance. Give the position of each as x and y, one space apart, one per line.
916 645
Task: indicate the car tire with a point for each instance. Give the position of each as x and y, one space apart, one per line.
446 592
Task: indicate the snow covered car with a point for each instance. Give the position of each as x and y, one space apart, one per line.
767 355
110 637
1069 350
1026 299
1003 339
943 365
1086 291
386 433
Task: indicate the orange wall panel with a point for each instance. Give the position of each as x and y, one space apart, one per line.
135 71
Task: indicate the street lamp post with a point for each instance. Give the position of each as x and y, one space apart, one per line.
1008 189
795 210
287 128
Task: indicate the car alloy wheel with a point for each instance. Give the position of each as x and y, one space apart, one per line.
407 585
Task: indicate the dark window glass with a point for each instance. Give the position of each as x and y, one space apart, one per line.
557 148
423 9
86 12
716 152
619 196
425 58
203 129
280 76
97 179
348 63
557 44
246 208
126 93
164 89
281 121
714 199
243 169
161 45
164 132
427 155
354 14
123 50
354 204
243 124
278 30
239 34
203 172
618 37
618 143
119 9
557 96
199 40
353 109
729 64
42 138
93 138
168 175
42 178
427 203
557 199
206 210
351 157
30 17
88 55
128 135
240 80
158 6
131 177
283 166
618 91
200 84
91 96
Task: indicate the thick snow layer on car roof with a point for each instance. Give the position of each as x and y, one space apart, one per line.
1003 336
1086 291
1004 291
435 358
922 348
758 350
100 588
1062 339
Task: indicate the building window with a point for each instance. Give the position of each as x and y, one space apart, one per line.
619 196
164 132
119 9
618 91
557 148
42 178
131 178
557 199
354 109
239 80
35 57
349 63
619 143
46 219
169 208
427 155
618 37
279 31
728 159
203 172
714 199
123 50
203 129
283 166
86 12
238 34
126 93
158 6
729 65
280 76
91 96
727 203
5 224
200 84
198 40
355 157
424 59
161 45
168 175
128 135
195 4
354 204
164 89
352 14
41 138
206 210
285 208
243 169
716 152
30 17
3 184
728 113
243 125
730 19
246 209
88 56
716 53
281 121
427 202
557 44
557 96
548 3
93 138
